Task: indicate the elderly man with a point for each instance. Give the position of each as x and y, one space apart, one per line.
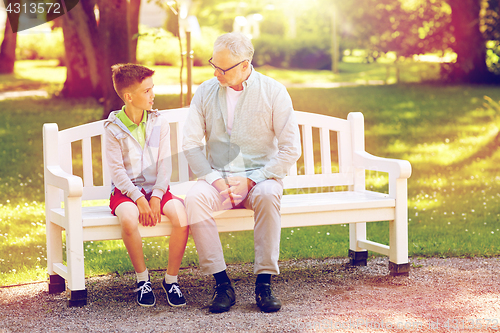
252 140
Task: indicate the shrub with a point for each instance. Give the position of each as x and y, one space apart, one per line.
157 47
274 23
160 47
272 50
45 46
203 46
309 52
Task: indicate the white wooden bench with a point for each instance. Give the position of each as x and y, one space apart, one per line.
64 193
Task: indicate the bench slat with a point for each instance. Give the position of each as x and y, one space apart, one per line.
318 180
88 177
307 150
316 120
291 204
326 157
96 192
106 175
183 163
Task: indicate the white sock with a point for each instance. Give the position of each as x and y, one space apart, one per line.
144 276
169 279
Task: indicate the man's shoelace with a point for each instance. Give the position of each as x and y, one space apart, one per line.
219 292
265 291
175 289
145 289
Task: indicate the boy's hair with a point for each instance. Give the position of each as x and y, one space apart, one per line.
126 75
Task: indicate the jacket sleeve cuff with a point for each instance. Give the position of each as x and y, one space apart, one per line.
211 177
136 195
158 193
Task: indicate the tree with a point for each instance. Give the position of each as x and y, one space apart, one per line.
8 48
408 28
94 43
133 26
115 39
391 25
470 43
81 43
492 31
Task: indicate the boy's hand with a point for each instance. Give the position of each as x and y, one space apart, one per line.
154 204
146 217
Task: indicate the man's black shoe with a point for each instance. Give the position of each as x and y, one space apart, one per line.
265 298
223 299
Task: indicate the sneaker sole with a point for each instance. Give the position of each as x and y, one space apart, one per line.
269 310
219 310
174 305
147 305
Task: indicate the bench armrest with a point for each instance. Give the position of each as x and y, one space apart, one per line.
71 185
396 168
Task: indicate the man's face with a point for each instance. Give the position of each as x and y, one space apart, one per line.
142 95
235 76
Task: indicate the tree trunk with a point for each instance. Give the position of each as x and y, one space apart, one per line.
8 49
133 24
93 46
114 37
82 79
470 44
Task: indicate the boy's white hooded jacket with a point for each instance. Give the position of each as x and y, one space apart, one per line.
133 168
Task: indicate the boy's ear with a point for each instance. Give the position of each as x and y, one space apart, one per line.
127 97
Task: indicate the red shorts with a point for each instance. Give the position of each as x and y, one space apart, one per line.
117 198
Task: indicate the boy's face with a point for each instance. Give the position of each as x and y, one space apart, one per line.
141 95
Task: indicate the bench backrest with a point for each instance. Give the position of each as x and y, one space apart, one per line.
327 152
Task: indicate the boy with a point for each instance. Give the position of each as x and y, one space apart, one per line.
138 152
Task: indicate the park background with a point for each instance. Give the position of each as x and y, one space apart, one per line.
424 73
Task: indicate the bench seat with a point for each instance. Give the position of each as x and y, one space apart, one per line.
297 210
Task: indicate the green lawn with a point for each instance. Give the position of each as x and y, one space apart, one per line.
45 74
448 133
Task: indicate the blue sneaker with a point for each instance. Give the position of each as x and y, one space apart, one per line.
145 295
174 294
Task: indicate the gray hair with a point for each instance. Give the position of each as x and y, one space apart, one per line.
238 44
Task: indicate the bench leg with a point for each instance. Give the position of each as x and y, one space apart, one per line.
358 258
77 298
57 284
398 231
399 269
74 247
357 255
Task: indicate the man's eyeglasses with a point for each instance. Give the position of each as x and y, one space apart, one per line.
223 71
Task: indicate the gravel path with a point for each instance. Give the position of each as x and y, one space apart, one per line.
317 295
